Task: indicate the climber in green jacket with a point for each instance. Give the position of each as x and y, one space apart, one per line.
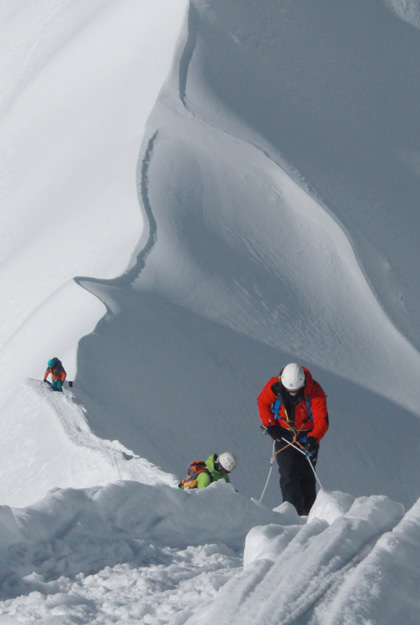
201 474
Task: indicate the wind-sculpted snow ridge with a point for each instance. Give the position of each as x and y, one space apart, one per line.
55 447
239 241
129 552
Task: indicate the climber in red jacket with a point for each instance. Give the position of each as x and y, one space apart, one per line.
293 409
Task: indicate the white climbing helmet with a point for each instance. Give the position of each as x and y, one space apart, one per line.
293 377
227 461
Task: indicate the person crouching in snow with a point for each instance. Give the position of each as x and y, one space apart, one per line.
202 473
58 374
293 409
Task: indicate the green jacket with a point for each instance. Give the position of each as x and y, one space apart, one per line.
203 479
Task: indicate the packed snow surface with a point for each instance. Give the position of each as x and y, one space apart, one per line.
193 195
133 553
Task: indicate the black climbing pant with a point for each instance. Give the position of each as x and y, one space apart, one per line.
297 480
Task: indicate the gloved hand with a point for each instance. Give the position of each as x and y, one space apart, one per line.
275 432
310 446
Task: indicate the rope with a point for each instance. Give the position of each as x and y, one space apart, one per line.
300 448
296 446
272 461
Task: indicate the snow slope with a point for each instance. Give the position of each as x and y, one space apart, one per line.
247 266
50 434
79 81
278 184
243 265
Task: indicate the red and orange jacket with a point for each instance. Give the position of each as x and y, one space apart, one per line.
311 415
56 373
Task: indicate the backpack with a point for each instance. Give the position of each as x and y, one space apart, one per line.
59 365
194 468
